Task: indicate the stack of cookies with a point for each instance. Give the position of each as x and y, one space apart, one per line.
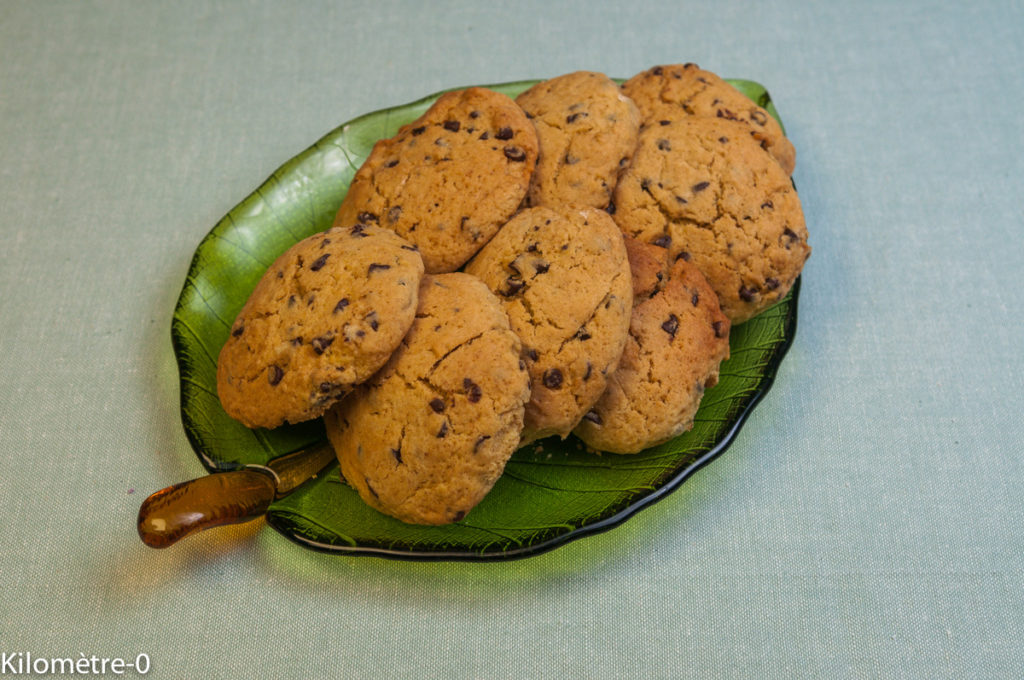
500 271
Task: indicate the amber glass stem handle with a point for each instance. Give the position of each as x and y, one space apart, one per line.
171 514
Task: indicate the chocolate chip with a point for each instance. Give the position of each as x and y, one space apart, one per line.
681 200
419 130
700 186
664 122
719 328
473 391
590 369
330 387
671 326
366 217
391 164
594 417
274 374
758 117
771 283
485 135
443 431
319 263
532 353
542 267
656 71
376 266
694 299
515 154
790 234
532 248
512 286
683 255
237 331
725 113
767 205
583 334
474 114
575 116
397 453
480 440
664 145
747 293
437 405
504 133
342 304
321 343
452 125
358 230
394 213
323 244
723 140
373 324
459 516
664 241
297 341
552 378
570 159
291 300
611 208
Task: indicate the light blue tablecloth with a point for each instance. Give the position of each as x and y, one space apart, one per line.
866 523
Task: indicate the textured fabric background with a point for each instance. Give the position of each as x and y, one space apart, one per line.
866 523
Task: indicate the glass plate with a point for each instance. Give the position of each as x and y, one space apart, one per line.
552 491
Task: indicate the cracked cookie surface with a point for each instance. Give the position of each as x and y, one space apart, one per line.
587 130
708 192
563 277
678 90
324 317
448 180
428 436
678 337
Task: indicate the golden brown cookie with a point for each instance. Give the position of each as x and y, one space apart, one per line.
450 179
678 337
564 280
324 317
587 129
707 191
673 91
429 435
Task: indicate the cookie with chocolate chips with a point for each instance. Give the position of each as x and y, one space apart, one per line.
587 130
563 277
680 90
708 192
450 179
678 337
428 436
324 317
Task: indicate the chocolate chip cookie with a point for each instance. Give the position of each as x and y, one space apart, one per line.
678 337
587 129
674 91
427 437
450 179
706 190
563 277
324 317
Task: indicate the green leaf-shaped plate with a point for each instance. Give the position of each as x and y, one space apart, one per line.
551 492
